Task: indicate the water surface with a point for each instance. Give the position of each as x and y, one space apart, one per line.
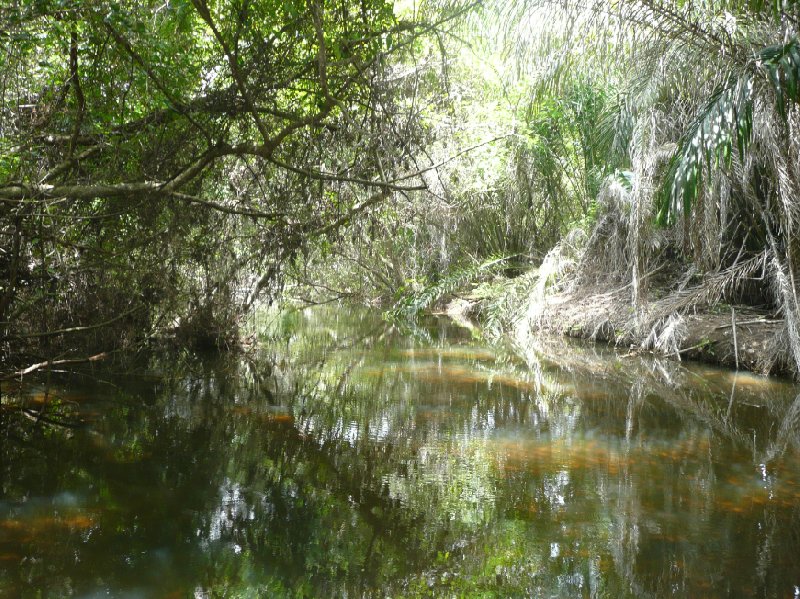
348 458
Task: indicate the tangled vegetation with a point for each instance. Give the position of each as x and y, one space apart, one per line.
705 213
162 162
641 157
166 166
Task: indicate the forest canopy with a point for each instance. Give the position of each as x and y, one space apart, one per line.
157 156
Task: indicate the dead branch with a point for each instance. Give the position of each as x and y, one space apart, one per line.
34 367
69 330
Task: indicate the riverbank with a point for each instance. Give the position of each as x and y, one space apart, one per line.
735 336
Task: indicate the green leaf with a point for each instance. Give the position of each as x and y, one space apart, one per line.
727 114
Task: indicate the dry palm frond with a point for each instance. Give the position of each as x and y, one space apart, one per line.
606 253
667 335
787 298
715 287
560 262
777 355
777 152
556 273
778 148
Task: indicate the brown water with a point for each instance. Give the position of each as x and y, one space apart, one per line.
352 459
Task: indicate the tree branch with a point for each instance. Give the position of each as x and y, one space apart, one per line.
375 199
205 13
48 363
189 199
69 330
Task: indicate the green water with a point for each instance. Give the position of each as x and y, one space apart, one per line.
347 458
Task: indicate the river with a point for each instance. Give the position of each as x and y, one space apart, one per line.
349 458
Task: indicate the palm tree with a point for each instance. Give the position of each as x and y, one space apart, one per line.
707 120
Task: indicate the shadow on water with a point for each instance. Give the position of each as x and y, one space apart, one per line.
348 458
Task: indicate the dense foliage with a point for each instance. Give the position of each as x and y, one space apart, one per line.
161 162
165 166
617 141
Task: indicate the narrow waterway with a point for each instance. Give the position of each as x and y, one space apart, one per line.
348 458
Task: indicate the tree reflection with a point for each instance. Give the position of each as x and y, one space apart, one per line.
348 458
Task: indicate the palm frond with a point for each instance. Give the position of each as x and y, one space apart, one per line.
410 305
727 118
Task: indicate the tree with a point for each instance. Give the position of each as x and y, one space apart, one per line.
163 161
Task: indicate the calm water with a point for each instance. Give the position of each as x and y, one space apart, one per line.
351 459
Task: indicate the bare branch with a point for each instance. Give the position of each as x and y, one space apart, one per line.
372 201
226 209
48 363
70 330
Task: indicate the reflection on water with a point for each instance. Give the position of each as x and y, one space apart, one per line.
352 459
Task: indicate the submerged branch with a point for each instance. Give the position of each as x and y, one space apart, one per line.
48 363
